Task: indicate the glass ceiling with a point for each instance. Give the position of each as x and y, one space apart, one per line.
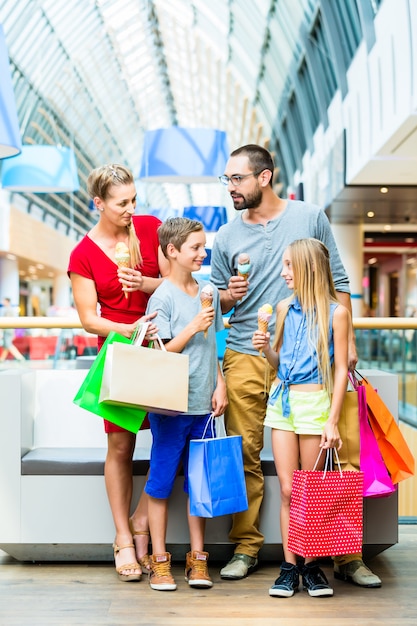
96 74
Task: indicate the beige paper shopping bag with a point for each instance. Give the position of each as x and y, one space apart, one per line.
154 380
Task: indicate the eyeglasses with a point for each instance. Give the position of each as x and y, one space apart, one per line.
236 179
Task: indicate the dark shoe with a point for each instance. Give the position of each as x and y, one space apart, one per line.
357 573
239 566
287 582
315 582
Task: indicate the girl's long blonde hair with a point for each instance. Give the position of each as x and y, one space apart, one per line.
314 288
99 184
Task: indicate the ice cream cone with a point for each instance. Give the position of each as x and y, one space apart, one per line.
243 265
122 256
262 325
206 299
264 315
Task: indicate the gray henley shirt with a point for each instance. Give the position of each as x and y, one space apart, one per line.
265 246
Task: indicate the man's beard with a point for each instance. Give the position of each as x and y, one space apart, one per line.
251 201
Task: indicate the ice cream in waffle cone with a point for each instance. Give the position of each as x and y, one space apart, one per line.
206 299
264 315
122 256
243 265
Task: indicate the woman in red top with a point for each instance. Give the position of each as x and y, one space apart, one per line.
109 298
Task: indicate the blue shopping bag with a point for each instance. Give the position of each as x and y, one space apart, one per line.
216 480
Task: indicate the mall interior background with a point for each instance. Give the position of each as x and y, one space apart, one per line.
329 87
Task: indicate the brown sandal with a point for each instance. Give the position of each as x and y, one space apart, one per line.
126 577
144 561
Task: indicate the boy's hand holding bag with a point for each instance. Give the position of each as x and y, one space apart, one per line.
154 380
87 397
216 480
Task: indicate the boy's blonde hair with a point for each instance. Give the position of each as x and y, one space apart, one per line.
99 184
315 290
176 230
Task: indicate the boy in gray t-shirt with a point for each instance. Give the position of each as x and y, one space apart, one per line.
187 327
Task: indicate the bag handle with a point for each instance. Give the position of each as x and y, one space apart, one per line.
159 343
328 464
138 335
210 422
359 377
355 379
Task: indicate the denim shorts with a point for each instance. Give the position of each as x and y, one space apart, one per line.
171 438
309 411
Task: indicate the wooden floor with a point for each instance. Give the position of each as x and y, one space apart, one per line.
90 594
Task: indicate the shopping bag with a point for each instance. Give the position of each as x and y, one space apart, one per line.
87 397
152 379
348 425
216 479
376 479
326 512
397 456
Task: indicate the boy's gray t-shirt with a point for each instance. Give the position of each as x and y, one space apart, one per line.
175 310
265 245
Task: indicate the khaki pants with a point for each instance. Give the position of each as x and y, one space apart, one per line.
248 379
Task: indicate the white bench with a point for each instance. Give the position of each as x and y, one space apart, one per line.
53 498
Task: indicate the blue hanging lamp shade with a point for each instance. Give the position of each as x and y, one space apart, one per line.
183 155
10 141
212 217
41 169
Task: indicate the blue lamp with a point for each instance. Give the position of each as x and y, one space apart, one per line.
41 169
10 142
212 217
164 213
183 155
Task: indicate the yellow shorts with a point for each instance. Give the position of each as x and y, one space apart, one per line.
309 412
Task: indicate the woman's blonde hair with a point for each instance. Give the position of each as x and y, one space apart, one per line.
99 184
315 290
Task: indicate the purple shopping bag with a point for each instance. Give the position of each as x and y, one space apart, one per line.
376 479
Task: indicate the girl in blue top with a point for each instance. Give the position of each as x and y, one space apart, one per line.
311 337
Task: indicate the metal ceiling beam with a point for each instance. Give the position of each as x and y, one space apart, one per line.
159 51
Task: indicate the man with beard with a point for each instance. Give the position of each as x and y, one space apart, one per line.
263 228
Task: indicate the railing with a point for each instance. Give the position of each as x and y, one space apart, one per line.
50 341
385 343
388 344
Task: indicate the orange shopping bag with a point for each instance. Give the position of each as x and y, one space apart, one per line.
394 449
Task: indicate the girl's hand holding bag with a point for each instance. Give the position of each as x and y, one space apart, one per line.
348 425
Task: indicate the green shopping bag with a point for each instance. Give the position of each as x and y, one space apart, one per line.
87 397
